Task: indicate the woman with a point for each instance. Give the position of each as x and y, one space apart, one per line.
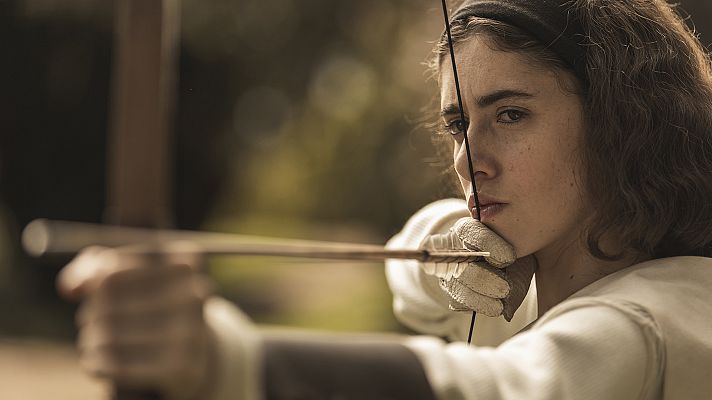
592 152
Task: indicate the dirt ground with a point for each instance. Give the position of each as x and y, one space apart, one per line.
34 370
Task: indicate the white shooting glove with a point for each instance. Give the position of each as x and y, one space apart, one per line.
494 287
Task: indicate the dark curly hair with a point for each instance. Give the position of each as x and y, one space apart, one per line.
646 155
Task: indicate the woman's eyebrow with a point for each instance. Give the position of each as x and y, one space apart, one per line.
487 100
502 94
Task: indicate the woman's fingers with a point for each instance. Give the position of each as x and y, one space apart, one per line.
138 292
465 299
485 279
176 343
156 314
481 288
141 321
478 237
84 272
163 364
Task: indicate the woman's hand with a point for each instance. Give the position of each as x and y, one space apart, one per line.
495 287
141 321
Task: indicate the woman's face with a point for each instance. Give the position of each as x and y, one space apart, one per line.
524 132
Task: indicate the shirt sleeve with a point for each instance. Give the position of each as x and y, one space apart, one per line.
586 349
237 352
418 301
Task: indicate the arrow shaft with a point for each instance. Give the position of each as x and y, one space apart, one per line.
60 237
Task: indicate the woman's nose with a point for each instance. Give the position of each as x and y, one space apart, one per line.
481 168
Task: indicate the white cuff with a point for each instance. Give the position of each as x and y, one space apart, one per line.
238 349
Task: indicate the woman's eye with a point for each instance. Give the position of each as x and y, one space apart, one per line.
456 127
511 116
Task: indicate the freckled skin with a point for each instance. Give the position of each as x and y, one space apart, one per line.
529 163
524 151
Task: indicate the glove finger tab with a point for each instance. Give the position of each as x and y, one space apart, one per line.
522 270
520 276
478 237
485 279
471 300
512 302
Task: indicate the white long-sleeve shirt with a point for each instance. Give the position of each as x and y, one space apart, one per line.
640 333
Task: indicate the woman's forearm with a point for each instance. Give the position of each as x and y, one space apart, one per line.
321 368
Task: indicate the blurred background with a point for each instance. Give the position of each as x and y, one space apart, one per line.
298 119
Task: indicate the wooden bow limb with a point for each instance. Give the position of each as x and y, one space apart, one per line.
43 237
139 168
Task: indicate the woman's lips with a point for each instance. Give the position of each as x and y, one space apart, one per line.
489 207
487 211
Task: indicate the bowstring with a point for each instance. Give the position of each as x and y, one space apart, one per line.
467 142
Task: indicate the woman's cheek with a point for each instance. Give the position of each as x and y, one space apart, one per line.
522 237
466 187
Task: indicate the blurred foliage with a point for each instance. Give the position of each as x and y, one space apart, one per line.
326 91
295 119
329 93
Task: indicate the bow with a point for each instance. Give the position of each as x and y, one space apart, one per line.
139 160
467 141
142 105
